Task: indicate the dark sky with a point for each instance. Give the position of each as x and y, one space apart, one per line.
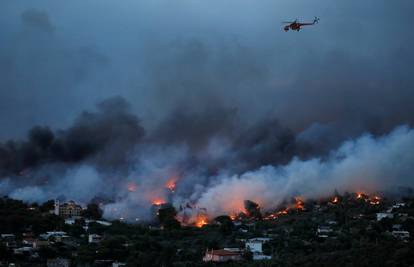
213 92
352 72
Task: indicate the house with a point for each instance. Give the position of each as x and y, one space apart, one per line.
222 255
7 237
396 227
58 262
383 215
9 240
22 250
53 234
70 221
40 243
399 205
324 231
255 245
261 256
94 238
402 235
67 210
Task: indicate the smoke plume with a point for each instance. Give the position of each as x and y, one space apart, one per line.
201 107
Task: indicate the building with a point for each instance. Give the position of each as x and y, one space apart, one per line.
22 250
383 215
55 234
9 240
58 262
118 264
403 235
67 210
255 245
94 238
222 255
324 231
37 244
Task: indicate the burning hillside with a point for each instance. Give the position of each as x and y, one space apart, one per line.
131 169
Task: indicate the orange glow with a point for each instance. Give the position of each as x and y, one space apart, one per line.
360 195
132 187
283 212
299 204
335 200
158 202
275 215
172 181
171 184
201 221
375 200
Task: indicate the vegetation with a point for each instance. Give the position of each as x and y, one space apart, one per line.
358 238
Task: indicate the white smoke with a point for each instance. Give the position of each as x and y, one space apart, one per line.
368 164
79 183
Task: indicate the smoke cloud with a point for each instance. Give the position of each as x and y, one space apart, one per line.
193 94
366 164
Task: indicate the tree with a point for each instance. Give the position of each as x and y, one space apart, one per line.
166 217
248 255
93 211
252 209
226 224
47 206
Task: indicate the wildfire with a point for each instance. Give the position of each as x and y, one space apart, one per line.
158 202
277 214
171 184
335 200
360 195
299 204
201 221
375 200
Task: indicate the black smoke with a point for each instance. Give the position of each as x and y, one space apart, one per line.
103 137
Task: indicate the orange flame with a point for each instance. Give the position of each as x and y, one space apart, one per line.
375 200
172 182
299 204
158 202
201 221
335 200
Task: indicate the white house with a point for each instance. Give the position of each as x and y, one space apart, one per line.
324 231
383 215
94 238
48 235
255 245
403 235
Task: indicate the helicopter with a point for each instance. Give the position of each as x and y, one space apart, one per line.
296 26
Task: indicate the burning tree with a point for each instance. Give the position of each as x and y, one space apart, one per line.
252 209
167 216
